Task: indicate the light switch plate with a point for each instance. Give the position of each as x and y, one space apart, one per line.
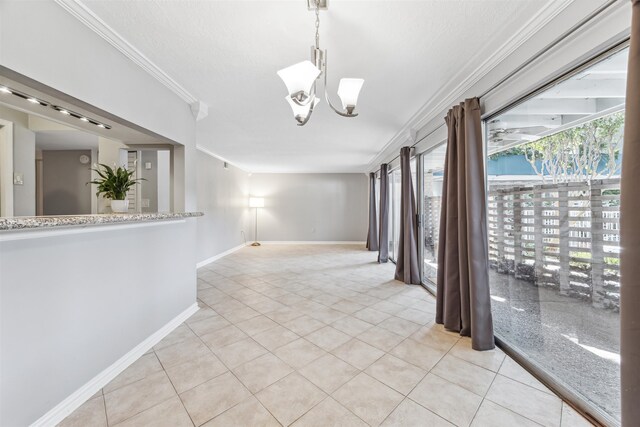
147 165
18 178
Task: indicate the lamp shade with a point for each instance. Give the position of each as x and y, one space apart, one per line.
299 77
348 91
256 202
301 111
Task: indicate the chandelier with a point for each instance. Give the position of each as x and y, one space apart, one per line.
302 78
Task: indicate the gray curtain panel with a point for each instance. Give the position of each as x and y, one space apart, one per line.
407 267
383 241
463 302
372 235
630 236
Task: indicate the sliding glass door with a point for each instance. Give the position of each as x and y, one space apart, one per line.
553 213
395 197
432 175
394 232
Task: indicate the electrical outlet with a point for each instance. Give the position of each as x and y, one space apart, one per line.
145 203
18 178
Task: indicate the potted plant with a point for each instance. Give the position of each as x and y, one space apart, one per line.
114 184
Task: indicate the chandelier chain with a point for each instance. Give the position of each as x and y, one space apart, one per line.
317 24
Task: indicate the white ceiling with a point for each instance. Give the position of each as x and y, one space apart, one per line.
226 53
65 140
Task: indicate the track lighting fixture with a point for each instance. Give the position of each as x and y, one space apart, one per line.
65 111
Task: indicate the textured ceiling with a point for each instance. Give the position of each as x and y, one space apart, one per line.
226 53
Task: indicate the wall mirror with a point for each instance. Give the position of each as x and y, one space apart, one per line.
49 148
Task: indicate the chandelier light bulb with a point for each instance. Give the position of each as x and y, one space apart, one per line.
348 91
299 79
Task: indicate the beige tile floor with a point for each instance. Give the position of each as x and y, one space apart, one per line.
318 335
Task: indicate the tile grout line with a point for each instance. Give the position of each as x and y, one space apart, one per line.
298 370
289 279
429 372
171 382
104 403
228 370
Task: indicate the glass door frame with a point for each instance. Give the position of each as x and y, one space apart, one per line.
429 285
417 185
568 395
421 216
392 228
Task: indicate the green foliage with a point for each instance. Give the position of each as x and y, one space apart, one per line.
114 182
513 151
611 261
577 154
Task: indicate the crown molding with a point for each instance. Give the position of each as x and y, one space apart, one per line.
222 159
85 15
434 107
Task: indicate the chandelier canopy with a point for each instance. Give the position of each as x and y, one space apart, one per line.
301 80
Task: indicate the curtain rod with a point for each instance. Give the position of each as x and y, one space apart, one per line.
522 66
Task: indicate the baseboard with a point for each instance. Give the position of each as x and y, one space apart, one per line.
221 255
84 393
312 242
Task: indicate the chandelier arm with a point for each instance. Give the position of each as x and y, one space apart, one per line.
306 102
317 24
326 94
343 114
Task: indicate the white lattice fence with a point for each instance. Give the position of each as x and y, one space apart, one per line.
564 236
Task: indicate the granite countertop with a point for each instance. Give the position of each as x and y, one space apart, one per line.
46 222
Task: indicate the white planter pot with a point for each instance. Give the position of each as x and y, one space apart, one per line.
119 206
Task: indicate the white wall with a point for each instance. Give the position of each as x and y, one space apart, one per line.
24 157
223 196
311 207
164 181
24 162
65 317
68 319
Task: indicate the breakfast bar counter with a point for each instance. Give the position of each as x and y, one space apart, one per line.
47 222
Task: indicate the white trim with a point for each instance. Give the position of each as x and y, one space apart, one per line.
432 108
220 255
212 154
35 233
85 15
6 163
84 393
312 242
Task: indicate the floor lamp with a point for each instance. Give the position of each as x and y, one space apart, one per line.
256 202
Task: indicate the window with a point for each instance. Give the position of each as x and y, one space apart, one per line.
395 184
432 175
396 191
553 171
377 203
